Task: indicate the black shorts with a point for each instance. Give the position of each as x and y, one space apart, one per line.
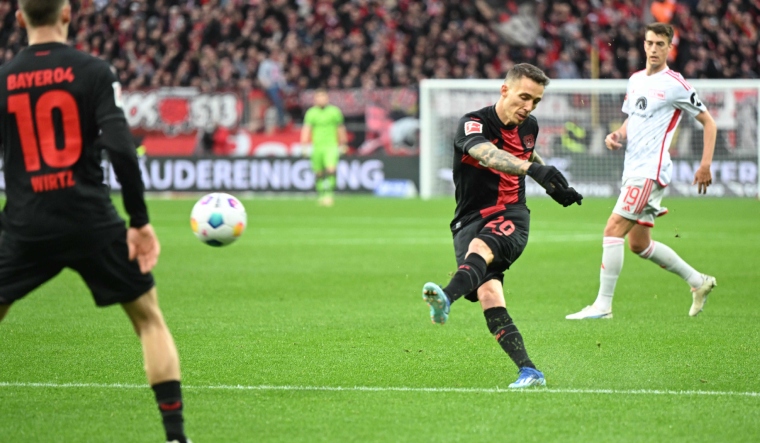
109 274
505 232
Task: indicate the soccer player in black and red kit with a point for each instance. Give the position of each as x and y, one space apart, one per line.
59 108
493 152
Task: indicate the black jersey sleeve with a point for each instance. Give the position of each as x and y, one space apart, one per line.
470 132
108 105
116 139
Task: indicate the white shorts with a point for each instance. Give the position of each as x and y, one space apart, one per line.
640 201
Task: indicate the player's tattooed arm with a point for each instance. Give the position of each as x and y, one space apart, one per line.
492 157
535 158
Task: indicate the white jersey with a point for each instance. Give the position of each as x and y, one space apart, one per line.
654 105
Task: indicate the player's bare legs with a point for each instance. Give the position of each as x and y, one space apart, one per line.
491 295
161 361
504 330
159 351
4 310
640 241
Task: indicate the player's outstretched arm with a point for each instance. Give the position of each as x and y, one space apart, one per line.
549 177
703 176
144 247
492 157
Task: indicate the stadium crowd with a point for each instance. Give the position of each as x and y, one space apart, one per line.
290 45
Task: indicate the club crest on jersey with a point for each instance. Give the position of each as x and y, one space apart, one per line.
473 128
529 141
641 103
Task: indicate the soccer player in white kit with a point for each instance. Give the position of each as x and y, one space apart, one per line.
655 101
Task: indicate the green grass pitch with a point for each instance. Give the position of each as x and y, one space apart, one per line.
313 299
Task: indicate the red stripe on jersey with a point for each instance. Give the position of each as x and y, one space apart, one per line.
485 212
671 126
509 186
677 76
466 159
513 144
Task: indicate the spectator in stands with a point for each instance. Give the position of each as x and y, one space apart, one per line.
565 67
272 79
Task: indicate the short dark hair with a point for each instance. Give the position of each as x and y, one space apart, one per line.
41 12
527 70
662 29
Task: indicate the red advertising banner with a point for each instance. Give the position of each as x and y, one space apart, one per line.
185 121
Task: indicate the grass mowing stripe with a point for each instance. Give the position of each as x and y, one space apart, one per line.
386 389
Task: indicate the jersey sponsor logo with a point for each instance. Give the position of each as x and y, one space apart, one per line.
641 103
656 93
473 128
42 77
529 141
694 99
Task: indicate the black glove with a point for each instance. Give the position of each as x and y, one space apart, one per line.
547 176
565 197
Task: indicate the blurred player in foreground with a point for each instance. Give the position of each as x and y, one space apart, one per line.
655 101
493 152
58 109
323 126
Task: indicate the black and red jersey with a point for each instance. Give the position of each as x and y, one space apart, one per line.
55 103
481 191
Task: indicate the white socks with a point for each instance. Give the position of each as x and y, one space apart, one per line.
668 259
612 264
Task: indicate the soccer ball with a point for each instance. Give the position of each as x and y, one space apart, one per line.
218 219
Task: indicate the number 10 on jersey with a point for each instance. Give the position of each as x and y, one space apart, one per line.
43 140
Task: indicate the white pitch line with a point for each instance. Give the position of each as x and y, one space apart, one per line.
389 389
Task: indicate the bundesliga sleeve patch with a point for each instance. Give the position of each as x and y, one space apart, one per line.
473 128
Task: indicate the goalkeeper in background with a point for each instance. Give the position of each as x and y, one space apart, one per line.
323 126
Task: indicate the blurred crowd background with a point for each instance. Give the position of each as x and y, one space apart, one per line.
270 52
302 44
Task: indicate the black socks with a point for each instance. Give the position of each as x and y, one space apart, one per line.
468 277
169 399
504 330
